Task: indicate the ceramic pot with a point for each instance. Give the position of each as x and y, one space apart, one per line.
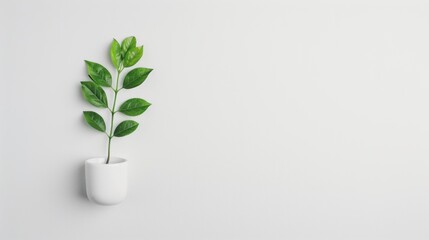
106 184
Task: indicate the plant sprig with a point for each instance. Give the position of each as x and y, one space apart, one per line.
123 55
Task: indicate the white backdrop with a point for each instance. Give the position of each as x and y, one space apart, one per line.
270 120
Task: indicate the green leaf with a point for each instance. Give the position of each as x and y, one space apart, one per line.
134 107
136 77
132 56
94 120
115 54
126 127
127 44
99 74
94 94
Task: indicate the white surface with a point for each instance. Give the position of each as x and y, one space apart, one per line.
270 120
106 184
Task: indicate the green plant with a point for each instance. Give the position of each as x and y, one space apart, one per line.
123 55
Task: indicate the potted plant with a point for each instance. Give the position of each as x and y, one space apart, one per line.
106 177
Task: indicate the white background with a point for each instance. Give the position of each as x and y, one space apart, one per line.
270 120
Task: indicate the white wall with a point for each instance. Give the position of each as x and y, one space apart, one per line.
270 120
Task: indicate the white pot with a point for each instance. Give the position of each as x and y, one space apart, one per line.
106 184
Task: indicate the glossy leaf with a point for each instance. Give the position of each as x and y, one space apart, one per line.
99 74
115 54
132 56
94 94
94 120
136 77
125 128
127 44
134 107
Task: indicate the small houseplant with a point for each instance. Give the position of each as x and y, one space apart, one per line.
106 178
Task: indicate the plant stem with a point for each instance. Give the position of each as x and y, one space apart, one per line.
110 136
108 151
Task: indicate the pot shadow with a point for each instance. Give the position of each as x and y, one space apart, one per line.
81 191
